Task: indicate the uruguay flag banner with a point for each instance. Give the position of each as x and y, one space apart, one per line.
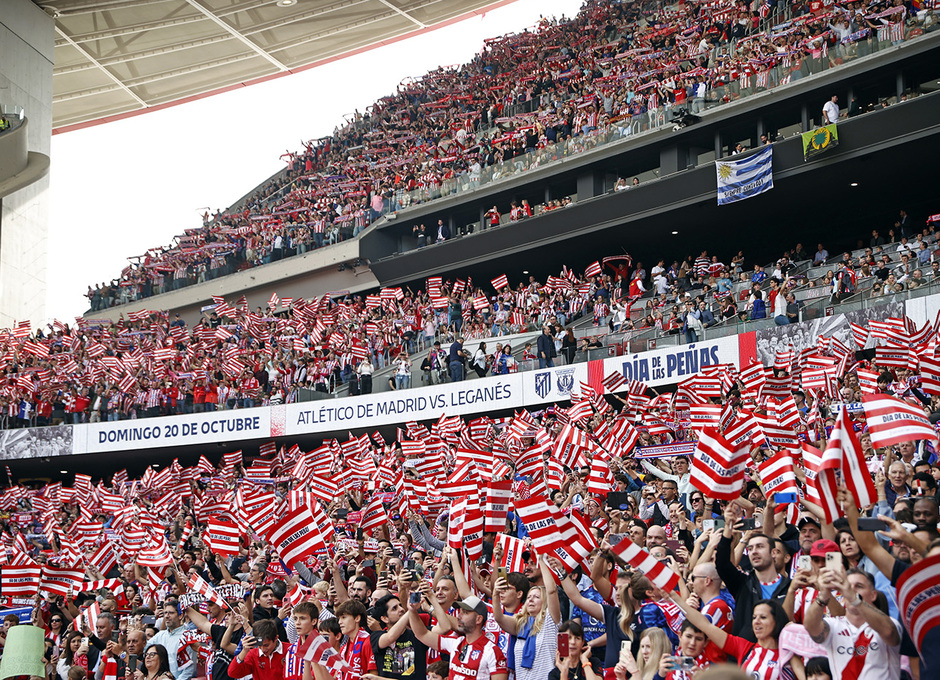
745 178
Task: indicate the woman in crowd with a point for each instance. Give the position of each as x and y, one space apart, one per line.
654 644
156 665
479 362
505 362
533 628
403 372
758 659
74 653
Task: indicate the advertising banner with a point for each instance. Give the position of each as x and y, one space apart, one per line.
183 430
389 408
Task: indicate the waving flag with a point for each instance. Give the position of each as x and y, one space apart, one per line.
87 619
61 580
717 467
20 578
594 269
512 552
919 599
745 178
374 516
500 282
197 584
318 650
641 560
844 455
892 421
222 537
296 536
777 474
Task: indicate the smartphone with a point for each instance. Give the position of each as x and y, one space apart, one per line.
368 564
342 513
685 663
115 635
414 598
805 562
149 620
85 641
672 544
872 524
708 524
747 524
359 535
781 498
625 649
131 663
614 539
563 645
383 574
834 561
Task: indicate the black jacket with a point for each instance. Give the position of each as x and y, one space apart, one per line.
745 588
546 345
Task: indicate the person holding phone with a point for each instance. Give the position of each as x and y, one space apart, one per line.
573 660
802 590
866 642
759 659
260 654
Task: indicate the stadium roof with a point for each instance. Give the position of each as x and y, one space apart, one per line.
115 58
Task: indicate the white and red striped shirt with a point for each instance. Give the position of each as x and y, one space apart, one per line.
802 599
758 662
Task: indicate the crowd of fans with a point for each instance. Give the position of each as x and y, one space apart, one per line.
527 99
495 548
150 364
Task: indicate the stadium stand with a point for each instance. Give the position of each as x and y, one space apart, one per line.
529 99
150 364
684 470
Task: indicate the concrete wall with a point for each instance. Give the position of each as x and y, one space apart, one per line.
26 57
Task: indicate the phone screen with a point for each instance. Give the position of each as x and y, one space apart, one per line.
834 561
806 562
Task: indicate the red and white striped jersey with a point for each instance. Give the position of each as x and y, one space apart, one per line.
757 662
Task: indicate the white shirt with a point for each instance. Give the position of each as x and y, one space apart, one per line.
831 111
882 662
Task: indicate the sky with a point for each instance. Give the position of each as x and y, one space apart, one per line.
120 188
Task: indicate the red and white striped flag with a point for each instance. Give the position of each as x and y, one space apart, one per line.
777 474
297 594
717 468
111 584
867 381
614 381
498 498
500 282
919 599
641 560
892 421
20 578
296 536
61 580
374 516
317 649
221 537
197 584
512 552
88 618
593 269
844 455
